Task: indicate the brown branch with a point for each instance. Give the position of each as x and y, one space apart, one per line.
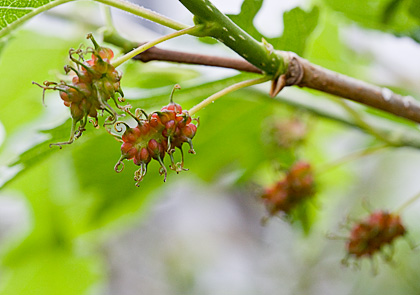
304 74
327 81
155 53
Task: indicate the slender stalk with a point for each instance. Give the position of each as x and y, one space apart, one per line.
225 91
150 44
360 121
407 203
145 13
350 157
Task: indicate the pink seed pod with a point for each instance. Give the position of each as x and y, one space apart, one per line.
144 128
144 155
154 120
190 130
153 146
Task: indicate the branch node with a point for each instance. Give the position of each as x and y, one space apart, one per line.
295 70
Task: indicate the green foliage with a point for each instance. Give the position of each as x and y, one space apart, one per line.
74 196
297 22
414 9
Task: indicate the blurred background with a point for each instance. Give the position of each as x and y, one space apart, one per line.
70 225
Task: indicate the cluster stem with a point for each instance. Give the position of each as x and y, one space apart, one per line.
225 91
150 44
350 157
407 203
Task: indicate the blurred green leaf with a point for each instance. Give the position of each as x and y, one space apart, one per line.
397 17
152 76
50 273
304 216
115 194
414 9
19 66
47 260
329 51
390 10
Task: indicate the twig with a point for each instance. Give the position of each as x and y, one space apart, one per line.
155 53
144 47
327 81
349 158
304 74
225 91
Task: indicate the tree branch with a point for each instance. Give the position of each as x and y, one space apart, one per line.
155 53
305 74
327 81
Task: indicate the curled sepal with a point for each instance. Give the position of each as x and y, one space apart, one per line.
73 135
180 165
191 150
119 164
162 169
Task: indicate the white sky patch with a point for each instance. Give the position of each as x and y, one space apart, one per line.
228 7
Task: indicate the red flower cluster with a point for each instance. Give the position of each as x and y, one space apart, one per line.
368 236
155 136
93 83
297 186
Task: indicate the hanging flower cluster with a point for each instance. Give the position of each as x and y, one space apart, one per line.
93 83
370 235
155 136
297 186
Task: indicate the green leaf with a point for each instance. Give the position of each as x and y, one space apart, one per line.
21 102
414 9
114 194
298 25
14 13
245 18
